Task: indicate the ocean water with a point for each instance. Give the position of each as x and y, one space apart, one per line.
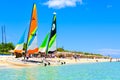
91 71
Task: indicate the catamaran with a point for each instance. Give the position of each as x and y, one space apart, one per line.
32 43
32 46
49 43
20 44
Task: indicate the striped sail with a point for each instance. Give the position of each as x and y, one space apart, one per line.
20 44
51 47
32 35
43 46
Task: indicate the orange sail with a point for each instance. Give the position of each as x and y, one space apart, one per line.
32 46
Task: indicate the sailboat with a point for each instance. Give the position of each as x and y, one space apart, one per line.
32 46
49 43
20 44
32 43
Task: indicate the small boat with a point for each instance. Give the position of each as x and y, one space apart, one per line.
32 43
49 43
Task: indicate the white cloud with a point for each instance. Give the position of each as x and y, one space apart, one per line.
109 51
57 4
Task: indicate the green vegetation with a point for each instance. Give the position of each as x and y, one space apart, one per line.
60 49
5 47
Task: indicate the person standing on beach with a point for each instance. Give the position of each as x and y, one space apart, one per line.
75 56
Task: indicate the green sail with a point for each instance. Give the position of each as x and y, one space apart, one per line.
51 46
52 41
42 47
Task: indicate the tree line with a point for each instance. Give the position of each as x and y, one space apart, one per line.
5 47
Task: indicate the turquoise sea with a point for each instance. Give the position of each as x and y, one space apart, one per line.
91 71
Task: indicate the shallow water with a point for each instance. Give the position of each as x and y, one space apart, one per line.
93 71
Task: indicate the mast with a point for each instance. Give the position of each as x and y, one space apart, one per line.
4 33
27 40
47 45
2 39
28 34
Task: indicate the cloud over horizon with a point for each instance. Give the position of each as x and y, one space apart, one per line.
109 51
58 4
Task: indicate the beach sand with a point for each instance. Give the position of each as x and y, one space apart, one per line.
11 61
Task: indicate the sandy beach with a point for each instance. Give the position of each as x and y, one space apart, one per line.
11 61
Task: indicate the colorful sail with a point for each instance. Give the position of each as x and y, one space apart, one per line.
51 47
32 46
20 44
43 46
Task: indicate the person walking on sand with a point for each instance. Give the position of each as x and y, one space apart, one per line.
75 56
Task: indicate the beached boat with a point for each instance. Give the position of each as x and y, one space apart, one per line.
47 46
20 44
49 43
32 45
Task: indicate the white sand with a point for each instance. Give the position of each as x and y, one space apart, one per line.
11 61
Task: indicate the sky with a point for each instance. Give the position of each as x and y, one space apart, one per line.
82 25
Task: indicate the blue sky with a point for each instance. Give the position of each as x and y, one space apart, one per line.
82 25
